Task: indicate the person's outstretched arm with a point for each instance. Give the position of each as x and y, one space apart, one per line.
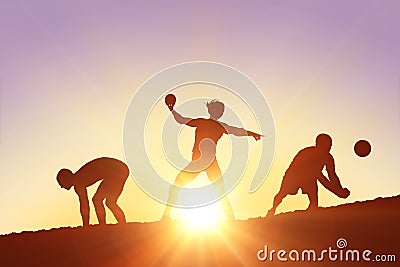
84 205
179 118
333 184
240 131
330 169
328 184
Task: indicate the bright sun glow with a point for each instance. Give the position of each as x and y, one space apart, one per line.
201 218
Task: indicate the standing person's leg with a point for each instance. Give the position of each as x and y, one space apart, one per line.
183 178
98 199
214 173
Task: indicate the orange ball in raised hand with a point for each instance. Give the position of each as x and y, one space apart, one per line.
170 101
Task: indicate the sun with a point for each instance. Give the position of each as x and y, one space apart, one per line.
203 218
198 219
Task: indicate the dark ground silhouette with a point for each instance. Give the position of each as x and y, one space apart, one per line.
372 225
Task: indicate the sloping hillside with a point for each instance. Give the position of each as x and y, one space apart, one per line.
371 225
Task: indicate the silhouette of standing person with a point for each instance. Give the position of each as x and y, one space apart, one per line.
111 172
207 134
306 169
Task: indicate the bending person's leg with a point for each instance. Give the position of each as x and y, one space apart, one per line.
111 200
214 174
118 213
98 199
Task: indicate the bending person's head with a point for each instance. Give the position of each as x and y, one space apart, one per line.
215 109
65 178
324 142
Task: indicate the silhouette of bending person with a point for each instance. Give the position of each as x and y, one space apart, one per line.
306 169
111 172
207 134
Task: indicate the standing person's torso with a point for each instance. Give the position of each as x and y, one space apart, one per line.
207 128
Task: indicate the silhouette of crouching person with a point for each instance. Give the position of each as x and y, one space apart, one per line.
112 173
306 169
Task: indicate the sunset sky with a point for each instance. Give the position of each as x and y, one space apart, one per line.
69 69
